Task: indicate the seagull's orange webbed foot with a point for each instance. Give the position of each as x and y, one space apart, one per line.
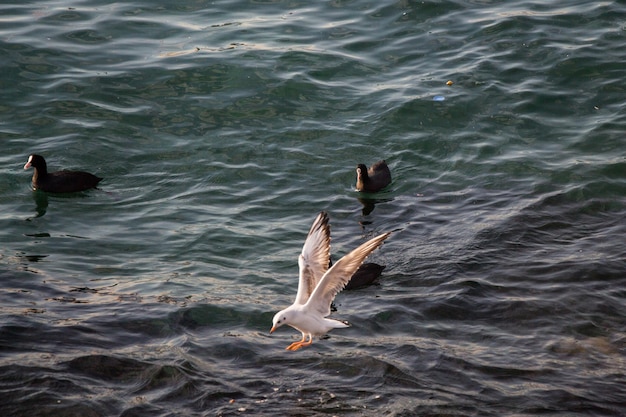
297 345
294 346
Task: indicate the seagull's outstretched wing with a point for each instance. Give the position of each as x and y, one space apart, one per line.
315 257
336 278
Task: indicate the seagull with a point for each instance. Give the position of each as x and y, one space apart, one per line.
318 284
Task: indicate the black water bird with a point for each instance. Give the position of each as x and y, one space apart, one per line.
373 179
60 181
364 276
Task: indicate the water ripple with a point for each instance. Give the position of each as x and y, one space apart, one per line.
221 131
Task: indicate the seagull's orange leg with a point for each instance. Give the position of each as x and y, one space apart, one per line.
297 345
310 342
294 344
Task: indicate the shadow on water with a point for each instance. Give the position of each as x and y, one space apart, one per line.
370 203
41 203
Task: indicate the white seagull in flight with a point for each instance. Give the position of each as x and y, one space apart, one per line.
318 285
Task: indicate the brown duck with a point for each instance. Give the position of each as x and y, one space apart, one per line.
373 179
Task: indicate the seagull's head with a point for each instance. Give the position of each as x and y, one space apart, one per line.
280 318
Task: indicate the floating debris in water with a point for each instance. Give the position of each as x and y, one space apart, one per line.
439 98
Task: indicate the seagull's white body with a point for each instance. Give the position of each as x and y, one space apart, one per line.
318 285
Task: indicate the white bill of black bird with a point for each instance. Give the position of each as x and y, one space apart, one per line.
318 284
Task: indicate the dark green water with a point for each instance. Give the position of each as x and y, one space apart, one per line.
221 130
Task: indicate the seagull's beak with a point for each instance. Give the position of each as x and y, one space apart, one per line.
272 329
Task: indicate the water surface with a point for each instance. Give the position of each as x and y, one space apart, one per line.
223 128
